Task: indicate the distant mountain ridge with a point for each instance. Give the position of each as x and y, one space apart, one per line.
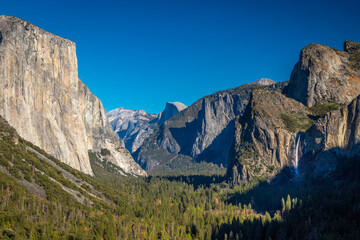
171 109
256 130
134 126
201 132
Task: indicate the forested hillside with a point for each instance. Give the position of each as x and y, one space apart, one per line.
42 198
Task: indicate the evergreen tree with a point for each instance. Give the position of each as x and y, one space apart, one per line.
288 203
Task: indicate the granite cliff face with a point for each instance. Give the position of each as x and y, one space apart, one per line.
327 77
171 109
276 131
201 132
324 75
265 136
134 126
332 138
42 97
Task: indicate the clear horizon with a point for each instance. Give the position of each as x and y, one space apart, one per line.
142 54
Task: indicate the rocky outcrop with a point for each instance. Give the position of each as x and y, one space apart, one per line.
134 126
42 97
324 75
276 131
171 109
333 137
203 131
265 136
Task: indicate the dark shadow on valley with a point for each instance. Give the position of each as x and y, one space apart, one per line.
195 180
216 152
266 196
185 135
218 149
326 206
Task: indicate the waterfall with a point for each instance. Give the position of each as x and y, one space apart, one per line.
297 155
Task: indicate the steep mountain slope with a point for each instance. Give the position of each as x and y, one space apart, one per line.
133 126
43 198
201 132
42 97
265 136
41 174
324 75
332 138
171 109
276 131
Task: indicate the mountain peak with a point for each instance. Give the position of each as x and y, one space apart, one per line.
133 126
325 75
171 109
178 105
17 25
264 82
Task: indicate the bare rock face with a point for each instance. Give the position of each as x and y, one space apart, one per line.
201 132
265 136
132 126
42 97
324 75
276 132
333 137
171 109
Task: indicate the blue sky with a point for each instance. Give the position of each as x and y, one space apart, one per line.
139 54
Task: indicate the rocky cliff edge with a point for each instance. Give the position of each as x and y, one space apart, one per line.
42 97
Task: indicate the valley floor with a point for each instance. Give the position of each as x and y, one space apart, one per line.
42 198
183 207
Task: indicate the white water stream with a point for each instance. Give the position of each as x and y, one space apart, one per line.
297 155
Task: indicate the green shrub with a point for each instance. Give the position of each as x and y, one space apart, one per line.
321 109
105 152
296 123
